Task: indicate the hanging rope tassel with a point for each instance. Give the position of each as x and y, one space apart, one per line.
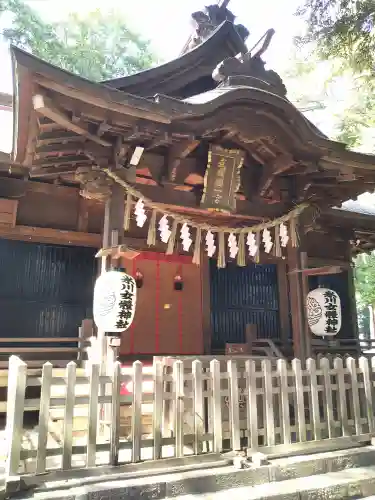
294 238
221 263
257 255
151 235
241 256
172 238
277 246
197 247
128 211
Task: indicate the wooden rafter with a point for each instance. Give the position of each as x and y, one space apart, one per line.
177 153
45 107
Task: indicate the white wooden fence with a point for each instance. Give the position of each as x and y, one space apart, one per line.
190 407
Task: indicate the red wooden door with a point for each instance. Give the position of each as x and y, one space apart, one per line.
166 321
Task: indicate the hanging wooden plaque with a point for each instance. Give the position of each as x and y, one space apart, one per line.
222 179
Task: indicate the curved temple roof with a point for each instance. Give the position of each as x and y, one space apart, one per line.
192 72
64 123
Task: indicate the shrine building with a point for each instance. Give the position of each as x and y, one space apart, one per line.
202 180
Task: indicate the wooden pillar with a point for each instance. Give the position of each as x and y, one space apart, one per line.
206 303
298 289
112 235
351 289
284 304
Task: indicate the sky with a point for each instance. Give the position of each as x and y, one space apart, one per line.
167 24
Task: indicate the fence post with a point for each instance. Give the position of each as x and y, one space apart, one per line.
364 366
68 415
93 415
178 390
198 405
115 414
157 418
17 374
85 332
234 412
45 395
268 400
300 417
216 406
137 411
352 368
252 414
338 365
284 396
324 365
311 372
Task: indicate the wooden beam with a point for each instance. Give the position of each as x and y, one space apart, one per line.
63 160
58 137
266 180
47 150
167 196
45 107
177 153
282 163
48 235
104 102
51 172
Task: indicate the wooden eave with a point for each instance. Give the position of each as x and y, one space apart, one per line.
64 122
175 77
360 226
32 74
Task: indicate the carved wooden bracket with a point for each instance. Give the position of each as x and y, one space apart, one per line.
95 184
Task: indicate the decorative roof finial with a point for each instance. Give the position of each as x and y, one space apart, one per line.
207 20
248 69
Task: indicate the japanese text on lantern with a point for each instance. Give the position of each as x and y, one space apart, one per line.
331 314
125 312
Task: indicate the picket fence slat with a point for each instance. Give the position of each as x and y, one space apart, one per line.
188 405
216 406
234 411
351 365
252 415
324 366
343 408
178 410
268 402
137 411
68 416
285 415
364 366
314 398
115 414
157 422
93 415
45 395
14 424
198 406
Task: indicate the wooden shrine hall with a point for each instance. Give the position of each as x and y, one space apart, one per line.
207 184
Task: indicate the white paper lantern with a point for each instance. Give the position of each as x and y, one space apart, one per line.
323 309
115 296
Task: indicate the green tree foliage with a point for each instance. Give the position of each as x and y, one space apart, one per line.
343 31
365 280
97 46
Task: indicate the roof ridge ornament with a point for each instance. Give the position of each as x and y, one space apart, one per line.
249 70
206 21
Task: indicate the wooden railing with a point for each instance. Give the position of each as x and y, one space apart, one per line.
36 350
185 407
